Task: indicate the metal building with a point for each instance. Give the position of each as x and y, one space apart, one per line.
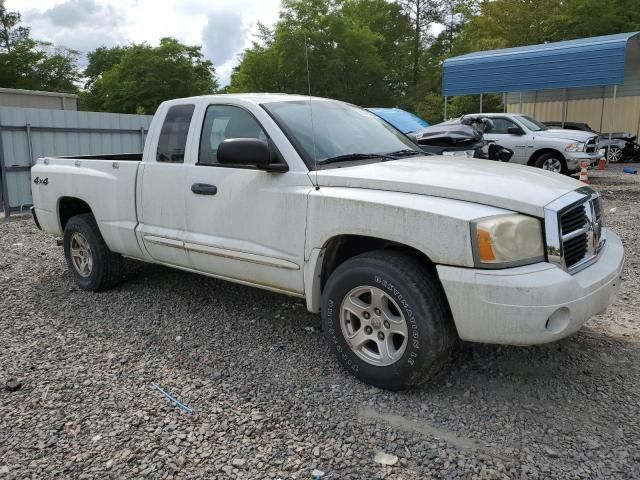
593 80
29 133
14 97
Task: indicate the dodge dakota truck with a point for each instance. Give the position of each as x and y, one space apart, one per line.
402 254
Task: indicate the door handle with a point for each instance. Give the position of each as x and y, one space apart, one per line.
204 189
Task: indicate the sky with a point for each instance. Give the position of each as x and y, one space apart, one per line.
224 28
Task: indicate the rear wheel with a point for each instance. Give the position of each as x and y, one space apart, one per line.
91 263
614 154
387 320
552 162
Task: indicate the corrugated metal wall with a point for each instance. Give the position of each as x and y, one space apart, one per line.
623 116
53 132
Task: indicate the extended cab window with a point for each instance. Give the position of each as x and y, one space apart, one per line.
222 122
501 125
173 136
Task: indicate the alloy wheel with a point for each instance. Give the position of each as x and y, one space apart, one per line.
552 164
81 254
373 326
614 155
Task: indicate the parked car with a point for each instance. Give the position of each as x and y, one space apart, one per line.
534 144
404 121
617 146
461 138
401 253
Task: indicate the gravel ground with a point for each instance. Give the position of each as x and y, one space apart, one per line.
269 400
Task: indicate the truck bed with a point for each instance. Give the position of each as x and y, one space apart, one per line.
106 182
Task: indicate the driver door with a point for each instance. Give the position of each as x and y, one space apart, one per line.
248 225
499 133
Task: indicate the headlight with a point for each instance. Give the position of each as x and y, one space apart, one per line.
507 240
574 147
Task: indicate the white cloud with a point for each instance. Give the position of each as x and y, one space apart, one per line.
223 27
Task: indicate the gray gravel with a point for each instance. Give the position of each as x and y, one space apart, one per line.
269 400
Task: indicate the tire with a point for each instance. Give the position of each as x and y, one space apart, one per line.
93 266
614 155
549 159
413 293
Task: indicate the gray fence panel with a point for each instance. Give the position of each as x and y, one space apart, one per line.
56 133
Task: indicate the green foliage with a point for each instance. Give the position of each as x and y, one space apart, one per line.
101 60
32 65
511 23
357 51
137 78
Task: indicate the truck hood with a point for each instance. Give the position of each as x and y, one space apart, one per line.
575 135
502 185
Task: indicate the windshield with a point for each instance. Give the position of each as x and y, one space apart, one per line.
340 132
531 124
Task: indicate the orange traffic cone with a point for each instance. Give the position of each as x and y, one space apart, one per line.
583 172
602 163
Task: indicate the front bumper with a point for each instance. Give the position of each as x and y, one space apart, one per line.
574 159
532 304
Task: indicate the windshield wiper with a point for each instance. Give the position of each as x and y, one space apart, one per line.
354 156
405 153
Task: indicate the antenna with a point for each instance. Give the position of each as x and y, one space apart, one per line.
313 129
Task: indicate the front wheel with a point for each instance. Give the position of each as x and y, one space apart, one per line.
387 320
552 162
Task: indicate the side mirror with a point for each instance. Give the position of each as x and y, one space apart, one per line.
515 131
244 151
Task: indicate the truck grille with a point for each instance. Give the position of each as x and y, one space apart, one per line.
574 225
592 145
581 233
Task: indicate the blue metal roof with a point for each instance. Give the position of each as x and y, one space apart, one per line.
404 121
586 62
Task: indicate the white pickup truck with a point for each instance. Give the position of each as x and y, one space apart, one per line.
402 254
536 145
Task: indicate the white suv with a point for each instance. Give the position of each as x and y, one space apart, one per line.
537 145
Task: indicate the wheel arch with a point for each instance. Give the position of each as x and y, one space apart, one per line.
340 248
69 207
538 153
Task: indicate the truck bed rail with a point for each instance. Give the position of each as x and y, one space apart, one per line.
133 157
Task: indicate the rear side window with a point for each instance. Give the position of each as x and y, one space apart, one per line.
222 122
173 136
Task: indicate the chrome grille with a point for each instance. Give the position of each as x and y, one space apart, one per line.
573 226
592 145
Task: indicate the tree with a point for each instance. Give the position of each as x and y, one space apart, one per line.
101 60
9 32
30 64
356 51
137 78
423 14
511 23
